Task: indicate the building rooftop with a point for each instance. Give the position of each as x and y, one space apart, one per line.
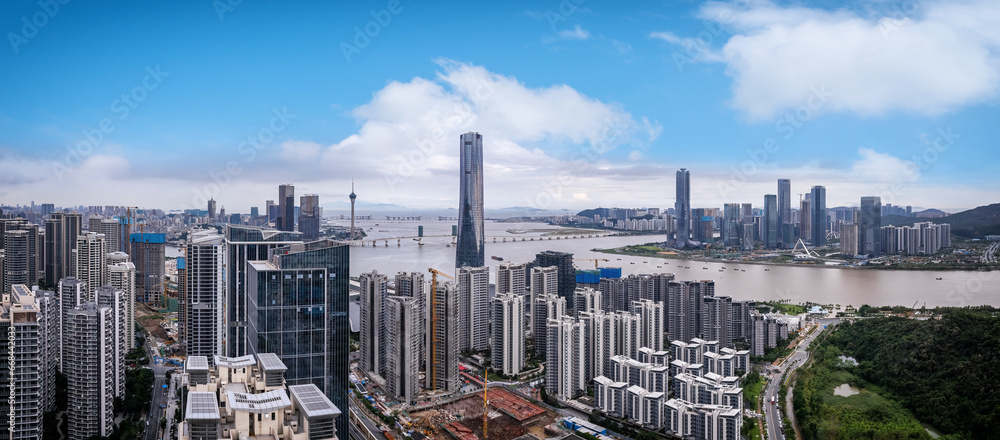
235 362
270 401
271 362
312 401
202 405
197 363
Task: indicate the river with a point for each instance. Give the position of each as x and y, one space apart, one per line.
740 281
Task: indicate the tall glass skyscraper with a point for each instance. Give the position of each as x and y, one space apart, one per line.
770 225
819 223
297 309
286 208
869 234
470 250
682 207
784 202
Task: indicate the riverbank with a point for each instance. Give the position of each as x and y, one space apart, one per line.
676 255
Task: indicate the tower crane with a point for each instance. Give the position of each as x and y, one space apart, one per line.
595 260
434 339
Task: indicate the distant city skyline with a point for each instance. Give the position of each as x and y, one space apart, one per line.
597 107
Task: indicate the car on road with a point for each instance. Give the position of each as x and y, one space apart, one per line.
163 406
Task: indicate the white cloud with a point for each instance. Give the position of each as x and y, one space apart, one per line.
942 57
577 33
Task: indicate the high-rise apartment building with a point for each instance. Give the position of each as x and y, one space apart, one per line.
246 243
563 261
651 320
512 278
849 239
442 339
402 357
508 333
544 281
682 207
111 228
412 284
306 284
20 261
27 390
310 215
149 255
869 230
471 248
286 208
473 308
204 269
546 307
565 361
90 261
819 223
374 291
114 300
89 361
121 276
61 231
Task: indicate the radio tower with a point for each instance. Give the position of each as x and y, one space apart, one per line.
353 198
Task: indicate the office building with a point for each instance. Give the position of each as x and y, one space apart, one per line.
306 284
869 236
402 340
471 248
509 325
770 224
211 208
546 307
412 284
310 215
473 308
565 361
286 208
732 227
784 202
442 339
682 207
819 223
149 255
246 243
61 231
90 261
205 289
115 301
563 261
372 297
89 361
512 278
248 397
849 239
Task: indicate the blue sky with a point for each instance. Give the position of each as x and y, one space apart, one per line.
581 103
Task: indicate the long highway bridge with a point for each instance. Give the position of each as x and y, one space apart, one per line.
495 239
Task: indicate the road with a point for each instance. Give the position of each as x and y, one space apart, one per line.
772 412
990 255
159 394
374 429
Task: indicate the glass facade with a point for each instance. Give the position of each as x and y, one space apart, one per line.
470 250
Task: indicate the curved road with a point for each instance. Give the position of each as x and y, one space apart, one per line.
772 412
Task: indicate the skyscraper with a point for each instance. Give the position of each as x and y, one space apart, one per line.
111 228
23 357
770 225
869 234
546 307
473 308
849 239
89 367
565 363
402 348
61 230
508 333
805 218
682 207
149 255
121 276
732 228
90 261
819 223
544 281
784 202
309 216
245 243
470 250
412 284
374 291
563 261
18 260
442 339
114 300
205 294
286 207
312 335
211 208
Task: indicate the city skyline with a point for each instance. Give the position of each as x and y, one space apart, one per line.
646 97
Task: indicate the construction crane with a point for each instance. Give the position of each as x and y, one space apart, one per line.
434 340
595 260
486 388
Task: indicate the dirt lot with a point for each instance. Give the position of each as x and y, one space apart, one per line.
150 320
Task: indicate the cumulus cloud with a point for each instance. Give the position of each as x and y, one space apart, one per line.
577 33
942 56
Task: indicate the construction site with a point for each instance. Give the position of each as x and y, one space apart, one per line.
508 416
